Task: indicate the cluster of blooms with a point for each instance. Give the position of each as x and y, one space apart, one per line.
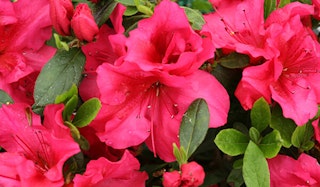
145 82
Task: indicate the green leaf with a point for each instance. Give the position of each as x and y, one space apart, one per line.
269 6
5 98
254 135
231 142
283 125
234 60
87 112
283 3
57 76
69 107
195 18
194 126
130 10
65 96
235 177
60 44
102 13
202 5
260 115
180 154
127 2
302 135
271 144
255 167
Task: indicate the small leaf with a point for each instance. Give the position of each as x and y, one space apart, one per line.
60 44
254 135
269 6
260 115
5 98
271 144
194 126
74 130
302 135
283 125
57 76
130 10
69 107
255 167
234 60
87 112
195 18
231 142
65 96
235 177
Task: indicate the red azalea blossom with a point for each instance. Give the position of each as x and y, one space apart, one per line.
291 77
61 12
83 24
191 175
39 150
102 172
145 97
289 172
22 49
316 4
238 25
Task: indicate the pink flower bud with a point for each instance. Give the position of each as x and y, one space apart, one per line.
61 12
192 174
83 24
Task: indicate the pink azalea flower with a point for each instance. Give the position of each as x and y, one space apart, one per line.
83 23
108 48
291 77
102 172
61 12
316 4
289 172
37 151
146 96
22 37
191 175
238 26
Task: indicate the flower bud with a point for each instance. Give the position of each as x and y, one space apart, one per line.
61 12
83 24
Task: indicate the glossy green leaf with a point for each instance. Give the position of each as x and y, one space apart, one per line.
271 144
5 98
57 76
255 167
302 135
269 6
195 18
231 142
234 60
194 126
260 115
283 125
87 112
102 13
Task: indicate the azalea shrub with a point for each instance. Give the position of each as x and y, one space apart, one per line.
159 93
